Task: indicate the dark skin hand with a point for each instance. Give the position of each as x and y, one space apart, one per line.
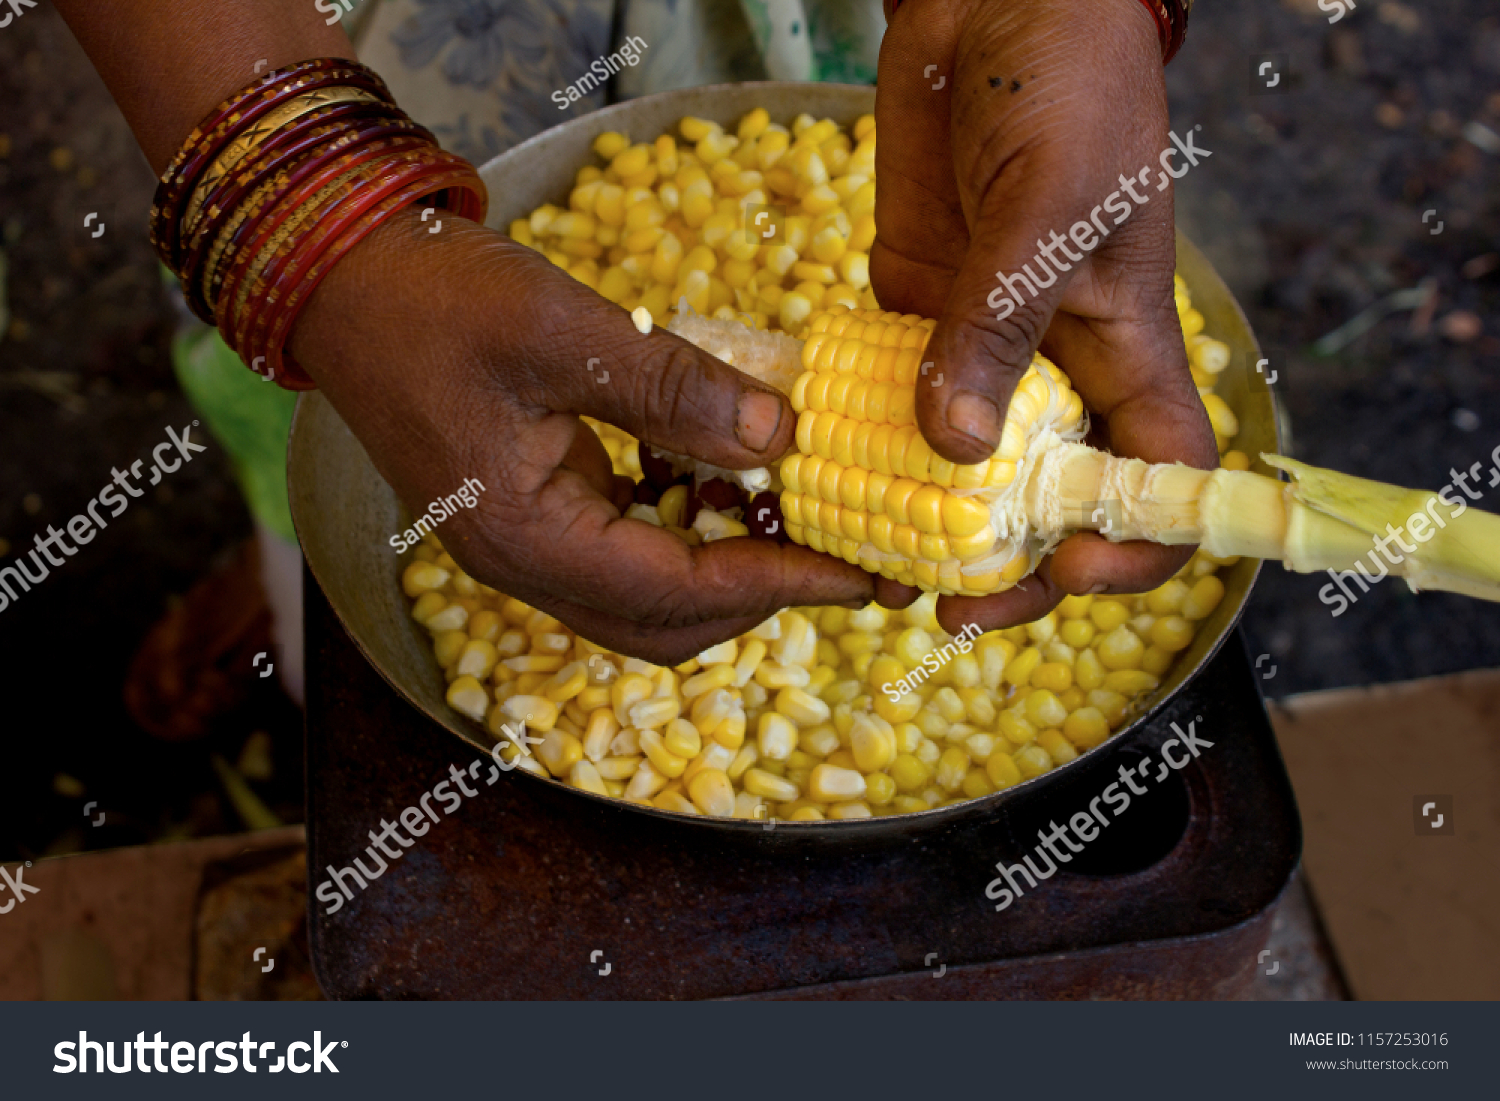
470 359
1047 103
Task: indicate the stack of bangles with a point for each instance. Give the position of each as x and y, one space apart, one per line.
279 183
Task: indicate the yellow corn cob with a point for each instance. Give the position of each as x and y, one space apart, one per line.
864 485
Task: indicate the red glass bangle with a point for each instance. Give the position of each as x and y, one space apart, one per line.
291 136
279 183
1163 21
242 293
216 117
296 197
210 138
172 197
262 289
248 190
290 277
1171 18
302 154
291 189
460 178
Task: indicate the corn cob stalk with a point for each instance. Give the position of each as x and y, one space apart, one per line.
865 486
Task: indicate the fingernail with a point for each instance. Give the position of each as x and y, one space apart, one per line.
1097 589
757 418
976 417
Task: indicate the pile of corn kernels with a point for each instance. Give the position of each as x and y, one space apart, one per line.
790 720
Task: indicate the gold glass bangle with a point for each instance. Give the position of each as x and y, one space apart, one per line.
293 223
261 129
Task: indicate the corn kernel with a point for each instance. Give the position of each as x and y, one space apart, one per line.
1120 649
448 647
880 789
712 793
1086 727
599 733
801 707
654 712
645 782
1157 661
1108 614
1031 761
873 742
831 784
952 767
1018 671
682 739
468 697
626 693
559 751
1018 729
762 783
901 710
1052 675
536 712
1131 682
1201 600
421 577
776 736
909 773
566 683
1044 709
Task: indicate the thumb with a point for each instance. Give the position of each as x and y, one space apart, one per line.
999 306
660 388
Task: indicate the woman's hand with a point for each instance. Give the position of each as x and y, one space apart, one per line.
462 354
1046 105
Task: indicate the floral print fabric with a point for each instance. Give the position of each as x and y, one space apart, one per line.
481 73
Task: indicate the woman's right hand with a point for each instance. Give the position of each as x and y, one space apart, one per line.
462 354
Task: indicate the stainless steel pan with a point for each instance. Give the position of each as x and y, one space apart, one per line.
345 512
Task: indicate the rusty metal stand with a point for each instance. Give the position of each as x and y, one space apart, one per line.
530 892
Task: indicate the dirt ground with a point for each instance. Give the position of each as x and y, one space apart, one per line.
1312 206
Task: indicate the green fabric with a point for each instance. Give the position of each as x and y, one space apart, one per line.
250 417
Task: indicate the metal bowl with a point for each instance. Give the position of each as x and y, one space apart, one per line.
345 512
